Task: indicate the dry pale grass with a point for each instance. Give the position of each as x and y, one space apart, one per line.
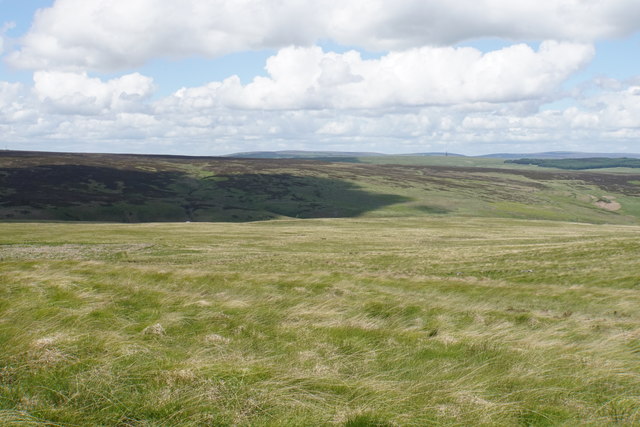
352 322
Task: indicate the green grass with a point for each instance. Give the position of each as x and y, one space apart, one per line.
357 322
455 161
581 164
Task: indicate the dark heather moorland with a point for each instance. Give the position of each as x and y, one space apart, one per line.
136 188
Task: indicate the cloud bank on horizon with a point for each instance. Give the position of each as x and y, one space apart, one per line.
375 75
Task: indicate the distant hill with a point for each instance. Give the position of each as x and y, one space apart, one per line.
298 154
435 153
353 155
141 188
581 163
559 155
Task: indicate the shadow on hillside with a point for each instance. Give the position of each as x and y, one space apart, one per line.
91 193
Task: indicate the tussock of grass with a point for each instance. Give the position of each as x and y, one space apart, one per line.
357 322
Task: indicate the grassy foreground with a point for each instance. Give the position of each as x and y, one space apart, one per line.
356 322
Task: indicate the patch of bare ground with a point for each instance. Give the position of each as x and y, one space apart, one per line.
608 203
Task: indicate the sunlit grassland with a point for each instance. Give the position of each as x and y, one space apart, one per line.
456 161
442 320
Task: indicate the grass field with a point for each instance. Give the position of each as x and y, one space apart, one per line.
437 320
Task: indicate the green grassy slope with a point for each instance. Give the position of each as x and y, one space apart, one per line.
127 188
456 161
581 164
355 322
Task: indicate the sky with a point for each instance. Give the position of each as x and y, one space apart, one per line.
212 77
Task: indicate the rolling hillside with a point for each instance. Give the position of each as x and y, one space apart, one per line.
421 293
140 188
582 164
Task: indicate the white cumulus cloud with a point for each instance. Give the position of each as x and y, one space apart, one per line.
386 24
77 93
115 34
10 93
604 119
308 78
616 109
121 34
